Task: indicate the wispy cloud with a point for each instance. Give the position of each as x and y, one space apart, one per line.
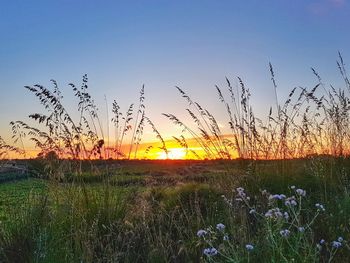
337 3
323 7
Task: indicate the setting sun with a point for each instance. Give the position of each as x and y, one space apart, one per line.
174 153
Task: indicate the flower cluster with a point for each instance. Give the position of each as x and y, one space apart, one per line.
274 213
291 201
210 237
337 243
300 192
301 229
220 227
283 218
320 207
227 201
285 233
252 211
201 233
277 197
249 247
241 195
210 251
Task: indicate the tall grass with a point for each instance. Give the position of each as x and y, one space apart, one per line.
309 122
79 134
6 149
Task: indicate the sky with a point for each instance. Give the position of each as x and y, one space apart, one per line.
122 45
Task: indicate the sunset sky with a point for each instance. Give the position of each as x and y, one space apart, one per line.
122 45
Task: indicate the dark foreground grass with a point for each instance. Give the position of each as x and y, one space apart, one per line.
152 212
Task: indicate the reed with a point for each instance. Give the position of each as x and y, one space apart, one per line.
6 149
81 137
311 121
159 137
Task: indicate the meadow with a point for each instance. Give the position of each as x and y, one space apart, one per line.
272 190
181 211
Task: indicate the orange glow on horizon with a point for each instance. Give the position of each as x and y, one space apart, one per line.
146 150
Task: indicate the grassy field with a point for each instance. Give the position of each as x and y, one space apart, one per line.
15 194
181 211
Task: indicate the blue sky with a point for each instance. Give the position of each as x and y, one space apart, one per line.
193 44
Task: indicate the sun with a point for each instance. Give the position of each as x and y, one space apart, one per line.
174 153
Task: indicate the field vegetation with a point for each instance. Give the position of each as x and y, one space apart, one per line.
286 198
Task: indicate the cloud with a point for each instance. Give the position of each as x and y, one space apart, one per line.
337 3
323 7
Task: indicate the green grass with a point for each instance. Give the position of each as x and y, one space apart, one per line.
14 195
151 212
